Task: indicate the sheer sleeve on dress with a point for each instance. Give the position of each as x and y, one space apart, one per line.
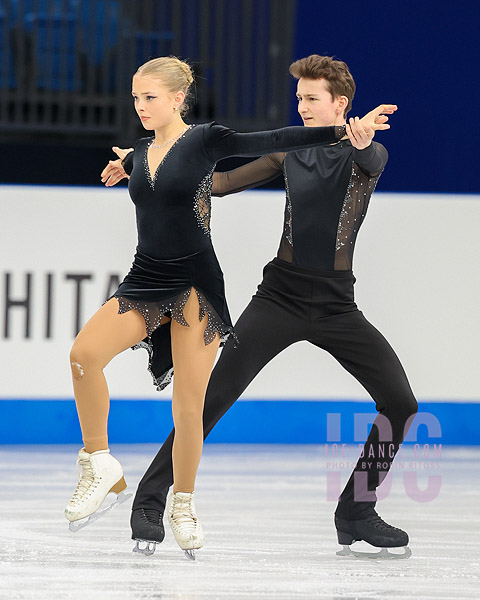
221 142
247 176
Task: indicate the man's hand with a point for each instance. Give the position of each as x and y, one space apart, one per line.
114 171
361 131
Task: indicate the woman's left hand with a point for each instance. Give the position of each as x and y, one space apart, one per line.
361 131
360 135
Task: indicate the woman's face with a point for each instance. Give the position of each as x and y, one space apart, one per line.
316 105
153 102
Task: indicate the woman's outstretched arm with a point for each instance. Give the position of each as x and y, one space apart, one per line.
221 142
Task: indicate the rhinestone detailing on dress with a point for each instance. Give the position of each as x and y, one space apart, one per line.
202 204
151 180
153 312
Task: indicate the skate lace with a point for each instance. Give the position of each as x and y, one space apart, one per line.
377 522
184 515
152 516
88 480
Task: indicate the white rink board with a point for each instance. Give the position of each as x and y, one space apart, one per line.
416 264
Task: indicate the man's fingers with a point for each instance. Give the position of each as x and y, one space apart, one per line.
362 132
121 152
114 171
361 128
386 108
351 131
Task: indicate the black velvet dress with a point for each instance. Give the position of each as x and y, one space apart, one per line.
174 251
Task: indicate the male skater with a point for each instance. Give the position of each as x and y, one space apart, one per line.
307 294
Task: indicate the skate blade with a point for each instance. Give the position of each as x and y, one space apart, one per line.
148 550
190 554
382 554
75 526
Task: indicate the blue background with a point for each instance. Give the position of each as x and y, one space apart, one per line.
422 56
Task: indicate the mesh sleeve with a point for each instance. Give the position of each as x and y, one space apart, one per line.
247 176
127 162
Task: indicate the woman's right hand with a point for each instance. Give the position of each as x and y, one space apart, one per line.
114 171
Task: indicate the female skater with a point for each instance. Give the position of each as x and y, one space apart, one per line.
308 294
172 301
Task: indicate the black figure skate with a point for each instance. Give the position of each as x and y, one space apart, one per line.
147 526
373 530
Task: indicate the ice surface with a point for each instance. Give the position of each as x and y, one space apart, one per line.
268 524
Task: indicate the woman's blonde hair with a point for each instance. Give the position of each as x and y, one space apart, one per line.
175 74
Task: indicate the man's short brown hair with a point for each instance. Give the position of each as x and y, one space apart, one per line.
335 72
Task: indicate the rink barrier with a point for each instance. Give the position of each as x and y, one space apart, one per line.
248 421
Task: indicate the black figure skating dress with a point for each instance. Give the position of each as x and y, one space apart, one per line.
174 252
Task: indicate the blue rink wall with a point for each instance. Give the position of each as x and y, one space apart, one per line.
248 421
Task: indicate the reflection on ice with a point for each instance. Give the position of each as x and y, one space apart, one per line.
269 532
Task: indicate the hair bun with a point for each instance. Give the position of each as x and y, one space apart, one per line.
187 70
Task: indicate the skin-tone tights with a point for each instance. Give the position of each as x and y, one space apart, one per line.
107 334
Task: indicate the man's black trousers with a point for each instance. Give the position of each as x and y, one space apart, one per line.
293 304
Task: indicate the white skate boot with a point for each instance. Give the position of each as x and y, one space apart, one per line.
184 523
100 475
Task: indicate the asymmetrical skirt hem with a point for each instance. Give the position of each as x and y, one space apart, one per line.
159 287
158 340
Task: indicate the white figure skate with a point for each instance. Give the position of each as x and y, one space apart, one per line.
184 523
100 474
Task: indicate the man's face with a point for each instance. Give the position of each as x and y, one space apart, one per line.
316 105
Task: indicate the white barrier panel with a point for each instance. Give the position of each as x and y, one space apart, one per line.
63 251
